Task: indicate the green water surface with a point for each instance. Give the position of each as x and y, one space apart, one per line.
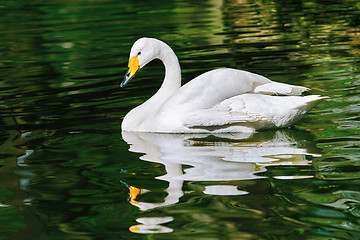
67 171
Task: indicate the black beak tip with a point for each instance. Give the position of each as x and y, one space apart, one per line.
126 79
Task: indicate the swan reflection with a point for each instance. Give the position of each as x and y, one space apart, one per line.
220 158
217 160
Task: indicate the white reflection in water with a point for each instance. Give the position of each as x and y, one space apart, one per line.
152 225
225 157
223 190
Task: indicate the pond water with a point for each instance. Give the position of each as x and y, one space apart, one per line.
67 171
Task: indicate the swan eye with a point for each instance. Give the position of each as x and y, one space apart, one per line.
139 53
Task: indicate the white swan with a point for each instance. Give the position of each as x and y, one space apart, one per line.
221 100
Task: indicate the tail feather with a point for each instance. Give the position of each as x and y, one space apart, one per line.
311 101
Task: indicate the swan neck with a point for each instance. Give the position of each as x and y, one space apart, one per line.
172 80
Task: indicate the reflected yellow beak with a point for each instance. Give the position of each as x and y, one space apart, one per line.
134 229
134 66
134 192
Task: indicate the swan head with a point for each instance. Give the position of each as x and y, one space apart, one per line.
142 52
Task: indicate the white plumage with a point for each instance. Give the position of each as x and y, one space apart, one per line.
221 100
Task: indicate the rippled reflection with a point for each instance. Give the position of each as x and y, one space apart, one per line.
216 158
152 225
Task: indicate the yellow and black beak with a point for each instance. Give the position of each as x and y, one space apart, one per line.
134 66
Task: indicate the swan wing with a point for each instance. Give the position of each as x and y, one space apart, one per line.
211 88
256 111
215 117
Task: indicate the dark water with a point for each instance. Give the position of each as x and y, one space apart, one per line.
67 171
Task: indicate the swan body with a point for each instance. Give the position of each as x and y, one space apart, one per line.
221 100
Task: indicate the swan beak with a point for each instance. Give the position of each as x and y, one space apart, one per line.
134 66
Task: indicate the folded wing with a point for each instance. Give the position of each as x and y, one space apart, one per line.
254 111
